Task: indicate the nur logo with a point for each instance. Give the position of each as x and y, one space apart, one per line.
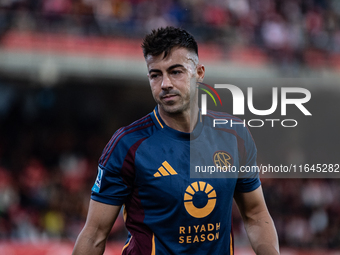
238 99
239 102
204 97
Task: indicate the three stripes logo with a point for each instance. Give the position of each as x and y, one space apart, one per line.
204 97
165 170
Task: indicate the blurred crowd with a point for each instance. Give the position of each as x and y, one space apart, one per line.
50 143
291 32
305 212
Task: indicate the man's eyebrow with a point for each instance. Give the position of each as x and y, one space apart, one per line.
154 70
168 69
174 66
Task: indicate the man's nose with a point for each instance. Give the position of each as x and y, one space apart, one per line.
166 82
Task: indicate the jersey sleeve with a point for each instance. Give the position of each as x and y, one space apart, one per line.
248 177
115 173
109 187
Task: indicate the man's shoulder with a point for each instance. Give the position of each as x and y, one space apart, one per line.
223 120
128 136
226 122
141 123
142 127
222 115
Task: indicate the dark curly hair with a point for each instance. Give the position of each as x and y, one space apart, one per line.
164 39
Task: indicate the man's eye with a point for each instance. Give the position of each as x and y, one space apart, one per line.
176 72
153 76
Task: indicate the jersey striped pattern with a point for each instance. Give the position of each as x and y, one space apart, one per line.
142 239
140 124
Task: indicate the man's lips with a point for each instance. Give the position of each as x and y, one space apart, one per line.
169 97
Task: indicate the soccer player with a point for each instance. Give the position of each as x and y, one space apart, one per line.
146 166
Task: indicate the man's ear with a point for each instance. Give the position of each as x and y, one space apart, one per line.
200 72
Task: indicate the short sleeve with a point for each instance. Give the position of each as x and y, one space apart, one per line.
109 187
248 177
115 172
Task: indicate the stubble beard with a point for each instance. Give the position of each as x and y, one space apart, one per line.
180 105
174 108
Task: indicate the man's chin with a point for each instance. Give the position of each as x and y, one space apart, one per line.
172 109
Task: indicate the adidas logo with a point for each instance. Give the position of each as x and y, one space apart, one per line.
165 170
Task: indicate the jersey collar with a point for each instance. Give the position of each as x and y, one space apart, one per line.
175 133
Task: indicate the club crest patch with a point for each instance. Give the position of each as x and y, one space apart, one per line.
222 159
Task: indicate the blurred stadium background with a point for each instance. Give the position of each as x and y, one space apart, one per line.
72 72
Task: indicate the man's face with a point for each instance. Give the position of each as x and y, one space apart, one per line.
173 79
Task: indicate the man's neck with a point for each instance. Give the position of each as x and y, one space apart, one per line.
184 122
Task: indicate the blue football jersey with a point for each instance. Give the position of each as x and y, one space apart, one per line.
148 167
